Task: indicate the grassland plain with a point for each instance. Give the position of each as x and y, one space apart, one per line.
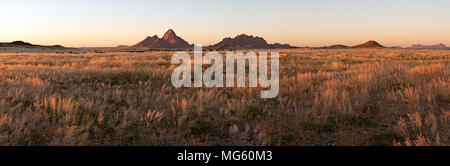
327 97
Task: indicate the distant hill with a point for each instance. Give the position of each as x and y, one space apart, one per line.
433 47
21 44
278 45
337 46
244 41
369 44
169 40
122 46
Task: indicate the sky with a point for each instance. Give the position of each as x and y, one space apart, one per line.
105 23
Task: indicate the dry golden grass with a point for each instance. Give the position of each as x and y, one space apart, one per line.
327 97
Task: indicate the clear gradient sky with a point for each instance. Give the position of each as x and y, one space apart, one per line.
80 23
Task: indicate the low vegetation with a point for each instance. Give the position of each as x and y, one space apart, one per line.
327 97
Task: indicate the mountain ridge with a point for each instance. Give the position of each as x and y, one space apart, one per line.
244 41
439 46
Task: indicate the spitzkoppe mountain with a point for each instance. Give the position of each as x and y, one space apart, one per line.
244 41
434 47
169 40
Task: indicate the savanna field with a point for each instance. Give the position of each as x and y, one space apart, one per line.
327 97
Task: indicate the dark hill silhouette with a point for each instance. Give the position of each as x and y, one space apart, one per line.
169 40
278 45
337 46
122 46
22 44
369 44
